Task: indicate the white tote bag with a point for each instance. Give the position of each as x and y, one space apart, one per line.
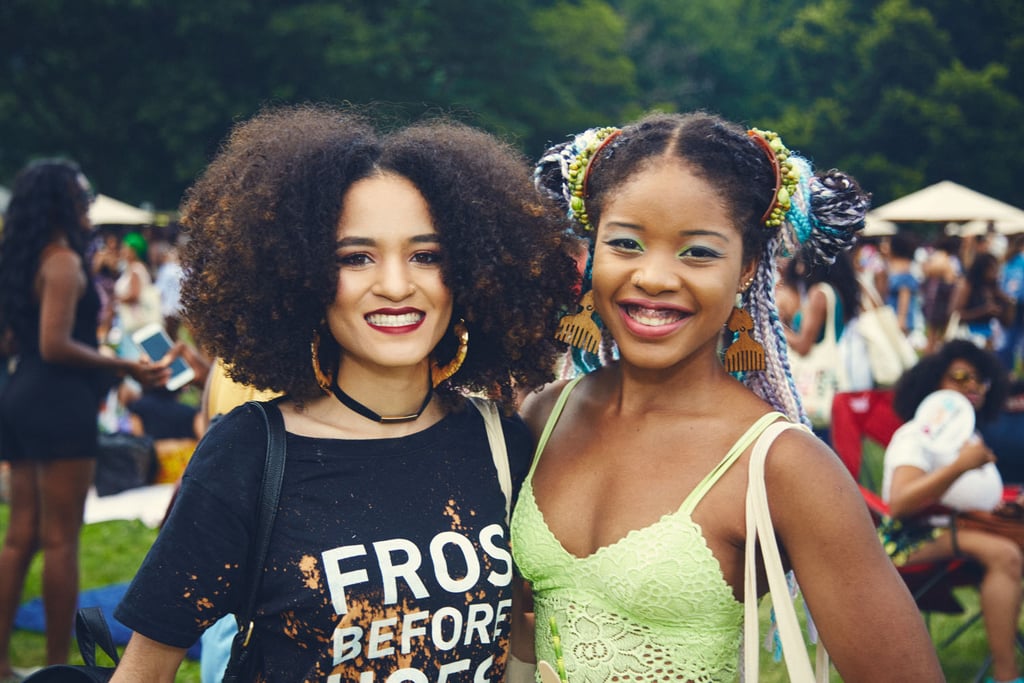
818 375
889 351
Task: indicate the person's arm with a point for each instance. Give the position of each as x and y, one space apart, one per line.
812 319
147 661
60 284
864 613
913 489
523 627
903 308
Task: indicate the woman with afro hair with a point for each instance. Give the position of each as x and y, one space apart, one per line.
375 281
918 475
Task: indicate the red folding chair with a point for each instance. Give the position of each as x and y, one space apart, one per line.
860 415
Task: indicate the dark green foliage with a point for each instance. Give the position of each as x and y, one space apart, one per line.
901 93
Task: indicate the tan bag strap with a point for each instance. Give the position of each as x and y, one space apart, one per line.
759 524
496 439
873 295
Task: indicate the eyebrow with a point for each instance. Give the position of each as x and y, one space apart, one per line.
432 238
682 233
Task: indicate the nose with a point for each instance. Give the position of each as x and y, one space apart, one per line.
394 280
653 276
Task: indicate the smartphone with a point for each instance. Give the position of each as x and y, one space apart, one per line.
154 341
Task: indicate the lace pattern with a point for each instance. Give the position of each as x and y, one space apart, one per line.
653 606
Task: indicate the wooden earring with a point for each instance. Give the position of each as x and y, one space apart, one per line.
579 329
745 353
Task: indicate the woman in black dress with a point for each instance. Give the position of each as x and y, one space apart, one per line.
49 407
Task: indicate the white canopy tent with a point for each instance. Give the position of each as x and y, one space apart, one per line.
948 202
109 211
875 227
1006 227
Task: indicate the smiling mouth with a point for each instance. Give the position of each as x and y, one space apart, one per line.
654 317
398 320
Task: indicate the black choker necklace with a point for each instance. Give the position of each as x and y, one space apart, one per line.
358 407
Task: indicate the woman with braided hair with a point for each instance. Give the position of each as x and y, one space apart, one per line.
630 526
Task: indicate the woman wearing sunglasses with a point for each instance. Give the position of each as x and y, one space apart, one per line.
924 469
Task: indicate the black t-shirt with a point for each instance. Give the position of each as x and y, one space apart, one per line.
389 559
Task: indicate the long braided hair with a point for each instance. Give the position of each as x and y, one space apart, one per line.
825 213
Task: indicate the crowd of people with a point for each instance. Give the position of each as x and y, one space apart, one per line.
585 508
953 287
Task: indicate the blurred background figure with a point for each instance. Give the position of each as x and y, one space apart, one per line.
1013 286
922 470
49 308
901 282
941 272
106 269
982 306
137 300
808 327
167 274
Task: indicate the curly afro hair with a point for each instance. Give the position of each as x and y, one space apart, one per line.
262 223
926 376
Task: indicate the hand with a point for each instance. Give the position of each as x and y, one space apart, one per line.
150 375
973 454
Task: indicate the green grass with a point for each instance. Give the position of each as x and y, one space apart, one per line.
112 552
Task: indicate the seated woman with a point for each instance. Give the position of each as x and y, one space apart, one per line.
917 477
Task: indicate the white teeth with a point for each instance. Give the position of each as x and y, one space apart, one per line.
384 320
653 317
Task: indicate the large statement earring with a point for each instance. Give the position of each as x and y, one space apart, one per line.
746 353
323 379
579 329
439 374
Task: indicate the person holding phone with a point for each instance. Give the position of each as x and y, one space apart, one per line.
156 343
48 408
374 281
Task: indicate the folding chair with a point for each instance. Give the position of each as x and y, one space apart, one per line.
861 415
857 415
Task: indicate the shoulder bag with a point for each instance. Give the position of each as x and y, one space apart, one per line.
759 526
246 657
888 349
1006 520
816 375
91 630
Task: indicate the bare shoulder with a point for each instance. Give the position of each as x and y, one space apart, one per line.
56 258
537 405
62 266
803 475
795 453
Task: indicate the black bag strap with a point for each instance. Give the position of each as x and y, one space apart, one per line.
273 475
91 629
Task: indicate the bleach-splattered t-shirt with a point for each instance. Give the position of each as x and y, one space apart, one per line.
389 559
